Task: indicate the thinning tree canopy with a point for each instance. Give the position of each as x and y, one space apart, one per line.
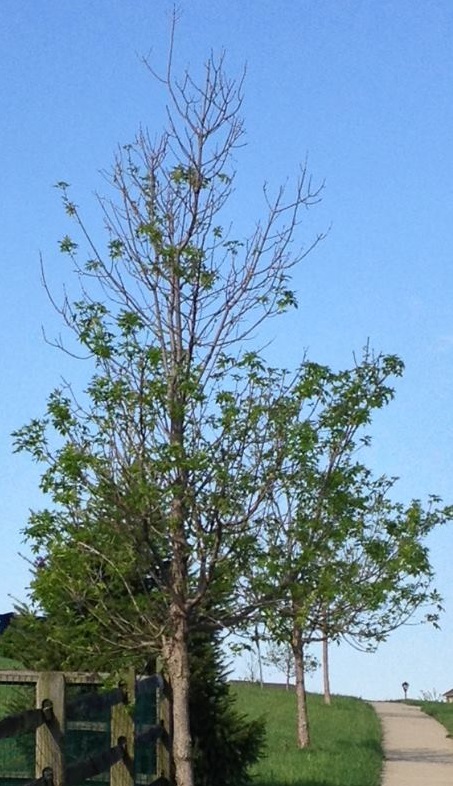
160 473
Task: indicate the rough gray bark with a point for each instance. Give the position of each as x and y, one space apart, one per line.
177 664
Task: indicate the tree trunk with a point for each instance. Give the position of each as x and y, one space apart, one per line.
303 731
325 670
177 662
258 653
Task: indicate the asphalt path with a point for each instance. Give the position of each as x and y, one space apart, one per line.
417 750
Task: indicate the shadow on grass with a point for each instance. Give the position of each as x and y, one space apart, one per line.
299 782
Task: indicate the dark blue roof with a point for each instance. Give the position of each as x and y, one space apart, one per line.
5 619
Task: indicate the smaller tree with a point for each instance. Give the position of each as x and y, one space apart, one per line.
281 658
348 560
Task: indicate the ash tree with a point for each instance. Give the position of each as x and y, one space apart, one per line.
383 576
344 559
160 471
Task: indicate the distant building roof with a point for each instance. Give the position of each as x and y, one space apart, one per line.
449 692
5 619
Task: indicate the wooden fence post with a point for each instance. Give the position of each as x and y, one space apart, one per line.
122 725
49 736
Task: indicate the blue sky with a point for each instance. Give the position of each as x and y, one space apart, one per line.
364 89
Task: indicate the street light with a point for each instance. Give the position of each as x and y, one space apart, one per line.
405 687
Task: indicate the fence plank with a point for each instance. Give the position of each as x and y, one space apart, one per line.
94 726
85 678
122 726
18 677
49 737
25 677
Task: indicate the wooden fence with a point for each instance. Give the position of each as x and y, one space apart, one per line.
57 714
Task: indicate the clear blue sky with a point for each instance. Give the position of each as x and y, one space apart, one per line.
365 89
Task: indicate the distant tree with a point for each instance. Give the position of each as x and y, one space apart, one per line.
160 472
431 695
281 657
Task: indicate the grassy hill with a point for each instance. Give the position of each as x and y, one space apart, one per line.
441 711
9 663
345 751
16 753
5 690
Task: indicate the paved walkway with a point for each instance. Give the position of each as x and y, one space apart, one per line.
417 749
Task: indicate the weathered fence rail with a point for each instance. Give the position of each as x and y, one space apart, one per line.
56 714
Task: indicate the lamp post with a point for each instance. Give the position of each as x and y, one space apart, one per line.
405 687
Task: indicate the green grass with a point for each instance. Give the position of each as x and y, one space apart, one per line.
346 740
16 753
5 690
441 711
